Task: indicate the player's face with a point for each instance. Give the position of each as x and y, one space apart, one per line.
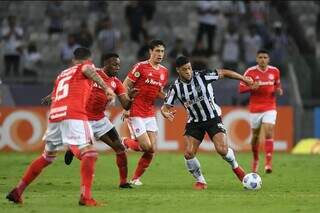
112 66
263 60
157 54
185 72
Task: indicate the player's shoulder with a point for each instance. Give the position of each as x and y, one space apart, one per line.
162 67
273 68
141 64
251 69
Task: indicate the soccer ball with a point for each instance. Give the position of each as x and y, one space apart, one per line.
252 181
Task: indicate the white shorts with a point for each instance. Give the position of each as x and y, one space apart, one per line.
70 131
101 127
263 117
139 125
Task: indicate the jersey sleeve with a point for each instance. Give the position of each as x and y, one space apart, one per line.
277 82
170 96
120 89
135 73
242 86
210 75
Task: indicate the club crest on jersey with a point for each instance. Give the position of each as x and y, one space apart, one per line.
161 77
137 74
271 77
113 84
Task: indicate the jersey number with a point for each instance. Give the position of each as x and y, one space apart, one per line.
63 88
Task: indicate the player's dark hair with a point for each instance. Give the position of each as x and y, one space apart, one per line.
81 53
182 60
155 43
109 55
263 51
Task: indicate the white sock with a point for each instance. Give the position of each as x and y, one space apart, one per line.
231 159
193 165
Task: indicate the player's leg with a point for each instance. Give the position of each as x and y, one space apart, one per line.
147 143
255 149
137 129
112 139
193 136
192 163
220 143
79 133
46 158
217 134
268 123
256 119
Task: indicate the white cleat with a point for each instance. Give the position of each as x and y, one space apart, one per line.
136 182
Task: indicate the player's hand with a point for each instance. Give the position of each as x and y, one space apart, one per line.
110 94
255 85
279 91
168 114
125 115
133 92
248 80
46 100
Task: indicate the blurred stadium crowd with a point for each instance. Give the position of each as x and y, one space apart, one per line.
38 38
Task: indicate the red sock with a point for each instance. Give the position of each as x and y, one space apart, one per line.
122 164
268 147
143 164
88 161
33 171
76 151
132 144
255 151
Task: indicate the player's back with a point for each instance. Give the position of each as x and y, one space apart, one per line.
149 82
70 94
263 98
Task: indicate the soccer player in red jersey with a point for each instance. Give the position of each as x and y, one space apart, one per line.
102 128
149 77
262 106
68 124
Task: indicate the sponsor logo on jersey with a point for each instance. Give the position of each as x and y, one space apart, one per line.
153 82
271 77
161 77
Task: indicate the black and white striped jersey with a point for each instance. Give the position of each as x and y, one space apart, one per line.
197 96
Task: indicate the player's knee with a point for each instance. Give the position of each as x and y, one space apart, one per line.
222 149
189 155
89 151
118 147
49 156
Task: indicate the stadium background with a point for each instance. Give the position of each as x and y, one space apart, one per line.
289 30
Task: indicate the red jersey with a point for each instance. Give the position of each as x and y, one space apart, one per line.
263 98
97 102
70 94
149 82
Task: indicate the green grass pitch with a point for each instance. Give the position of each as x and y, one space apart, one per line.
293 187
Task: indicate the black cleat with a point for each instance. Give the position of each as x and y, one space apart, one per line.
68 157
125 186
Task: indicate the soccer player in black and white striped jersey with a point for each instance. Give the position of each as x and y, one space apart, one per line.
194 91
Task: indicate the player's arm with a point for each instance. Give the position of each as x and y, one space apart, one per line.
278 87
126 99
89 71
225 73
162 94
168 112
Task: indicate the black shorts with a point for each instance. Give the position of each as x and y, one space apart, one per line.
199 129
